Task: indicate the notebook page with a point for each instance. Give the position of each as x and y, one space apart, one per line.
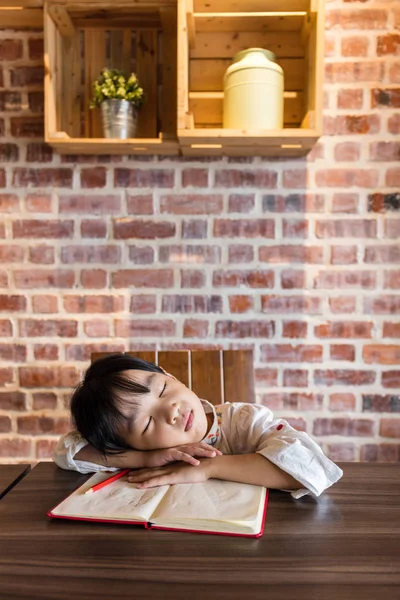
212 500
119 500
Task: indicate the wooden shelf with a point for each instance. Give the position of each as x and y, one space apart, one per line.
210 33
84 36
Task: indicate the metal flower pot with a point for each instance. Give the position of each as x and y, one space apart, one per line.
119 119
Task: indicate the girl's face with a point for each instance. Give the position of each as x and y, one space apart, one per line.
169 415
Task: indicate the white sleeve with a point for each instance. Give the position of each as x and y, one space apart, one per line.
292 451
69 445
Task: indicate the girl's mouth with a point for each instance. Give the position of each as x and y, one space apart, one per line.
189 421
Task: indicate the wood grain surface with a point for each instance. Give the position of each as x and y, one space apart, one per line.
10 475
344 545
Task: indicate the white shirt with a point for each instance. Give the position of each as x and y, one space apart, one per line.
241 428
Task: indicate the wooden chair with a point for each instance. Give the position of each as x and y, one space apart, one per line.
216 375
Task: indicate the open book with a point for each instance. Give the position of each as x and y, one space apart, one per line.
213 506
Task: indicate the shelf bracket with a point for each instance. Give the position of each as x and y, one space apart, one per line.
62 20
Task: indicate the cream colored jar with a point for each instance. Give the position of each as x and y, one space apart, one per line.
253 91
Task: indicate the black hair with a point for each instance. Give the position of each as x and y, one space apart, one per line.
95 403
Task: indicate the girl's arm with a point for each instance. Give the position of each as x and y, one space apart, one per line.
131 459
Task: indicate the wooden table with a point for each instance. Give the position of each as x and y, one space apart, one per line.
10 475
343 546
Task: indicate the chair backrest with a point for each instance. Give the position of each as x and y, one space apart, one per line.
215 375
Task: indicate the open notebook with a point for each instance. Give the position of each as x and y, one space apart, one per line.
214 506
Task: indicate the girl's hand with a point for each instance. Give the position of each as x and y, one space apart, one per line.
175 473
186 453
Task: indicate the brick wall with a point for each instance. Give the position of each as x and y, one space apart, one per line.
297 259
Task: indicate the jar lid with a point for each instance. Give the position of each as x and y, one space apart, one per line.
267 53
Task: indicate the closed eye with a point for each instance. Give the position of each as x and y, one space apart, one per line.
147 426
163 390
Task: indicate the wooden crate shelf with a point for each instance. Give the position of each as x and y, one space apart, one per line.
210 33
84 36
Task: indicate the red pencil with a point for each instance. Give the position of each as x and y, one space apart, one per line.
102 484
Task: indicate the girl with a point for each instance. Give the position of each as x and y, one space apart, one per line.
131 413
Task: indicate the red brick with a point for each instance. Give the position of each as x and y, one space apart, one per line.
341 452
192 204
11 253
27 127
343 255
93 204
41 255
147 328
195 177
32 425
10 49
45 449
391 330
192 278
357 18
385 97
235 278
355 45
141 255
342 402
265 376
345 280
9 153
295 178
6 376
52 376
158 278
394 71
188 303
36 102
149 178
383 202
292 401
291 254
351 124
350 98
390 428
190 253
294 329
109 255
258 178
344 426
126 228
46 352
295 378
6 329
295 228
293 279
240 253
385 151
54 228
244 329
195 328
35 48
344 329
379 403
13 401
388 44
5 424
83 352
291 304
351 72
391 379
43 177
264 228
241 203
143 303
241 304
380 453
394 124
381 354
275 203
94 228
3 178
140 204
291 353
45 304
9 203
393 177
93 278
383 305
364 178
39 152
26 75
12 303
194 229
97 328
391 280
43 400
382 254
345 202
343 377
38 203
347 151
93 304
15 448
330 49
342 352
48 327
95 177
10 101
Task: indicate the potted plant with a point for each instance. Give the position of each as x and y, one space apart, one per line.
119 98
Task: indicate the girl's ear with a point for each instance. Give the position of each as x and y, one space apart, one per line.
166 372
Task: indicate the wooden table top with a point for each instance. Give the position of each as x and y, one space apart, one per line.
10 475
344 545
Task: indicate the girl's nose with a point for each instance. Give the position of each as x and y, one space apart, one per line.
172 413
